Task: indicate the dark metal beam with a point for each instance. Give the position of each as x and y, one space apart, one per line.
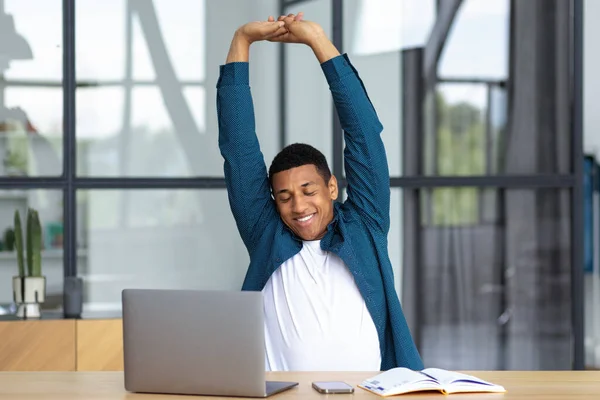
289 3
412 164
338 134
433 49
7 183
125 139
282 85
506 181
69 140
92 83
150 183
481 81
577 198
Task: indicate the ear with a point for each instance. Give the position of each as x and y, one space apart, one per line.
333 187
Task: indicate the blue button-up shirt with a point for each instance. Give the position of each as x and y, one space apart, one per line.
358 232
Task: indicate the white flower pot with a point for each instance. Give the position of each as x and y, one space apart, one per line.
28 293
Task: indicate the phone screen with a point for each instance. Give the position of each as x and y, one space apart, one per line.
333 387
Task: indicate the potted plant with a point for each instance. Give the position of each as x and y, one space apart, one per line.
29 287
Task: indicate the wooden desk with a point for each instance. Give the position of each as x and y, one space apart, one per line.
580 385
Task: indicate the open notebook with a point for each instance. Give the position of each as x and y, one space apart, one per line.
403 380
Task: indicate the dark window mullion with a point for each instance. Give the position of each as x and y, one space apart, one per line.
414 182
338 42
150 183
510 181
577 194
69 139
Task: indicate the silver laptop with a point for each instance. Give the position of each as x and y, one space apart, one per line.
195 342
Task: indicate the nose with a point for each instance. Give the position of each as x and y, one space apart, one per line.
298 206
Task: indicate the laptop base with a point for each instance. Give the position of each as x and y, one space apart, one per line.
274 387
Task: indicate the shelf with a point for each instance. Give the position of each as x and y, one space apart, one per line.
46 254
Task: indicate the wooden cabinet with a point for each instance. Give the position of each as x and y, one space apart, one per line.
61 345
100 345
44 345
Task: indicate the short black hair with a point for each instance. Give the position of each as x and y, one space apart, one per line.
297 155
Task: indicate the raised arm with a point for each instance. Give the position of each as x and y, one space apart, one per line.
244 167
365 159
364 155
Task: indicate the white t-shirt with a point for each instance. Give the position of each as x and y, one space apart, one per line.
315 317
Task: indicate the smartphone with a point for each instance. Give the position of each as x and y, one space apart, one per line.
332 387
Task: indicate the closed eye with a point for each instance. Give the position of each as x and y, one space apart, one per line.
311 193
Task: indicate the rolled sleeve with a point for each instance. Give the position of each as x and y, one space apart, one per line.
234 73
336 68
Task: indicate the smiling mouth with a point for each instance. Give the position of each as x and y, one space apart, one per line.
306 218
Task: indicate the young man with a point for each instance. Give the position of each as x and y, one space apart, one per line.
323 267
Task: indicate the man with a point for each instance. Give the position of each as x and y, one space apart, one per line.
323 267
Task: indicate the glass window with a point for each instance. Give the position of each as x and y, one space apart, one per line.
384 26
477 44
496 278
191 242
591 64
378 64
223 17
466 123
146 29
141 107
591 146
183 239
492 119
31 97
146 85
461 130
308 103
374 39
49 204
466 129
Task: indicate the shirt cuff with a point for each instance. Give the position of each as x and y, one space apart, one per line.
337 67
234 73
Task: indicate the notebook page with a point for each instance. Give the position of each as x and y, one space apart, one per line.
455 382
399 380
446 377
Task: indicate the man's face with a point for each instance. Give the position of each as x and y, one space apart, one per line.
304 200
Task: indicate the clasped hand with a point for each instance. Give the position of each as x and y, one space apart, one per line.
287 29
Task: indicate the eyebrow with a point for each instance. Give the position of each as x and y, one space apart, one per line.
303 185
